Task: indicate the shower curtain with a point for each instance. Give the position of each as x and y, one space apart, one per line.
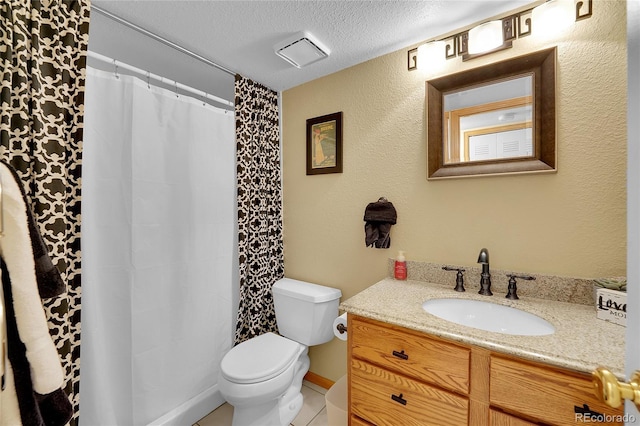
158 215
43 48
260 241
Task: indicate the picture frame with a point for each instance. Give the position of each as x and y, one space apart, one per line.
324 144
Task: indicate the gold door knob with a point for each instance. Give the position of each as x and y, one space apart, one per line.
612 392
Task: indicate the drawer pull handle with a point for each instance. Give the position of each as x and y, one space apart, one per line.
400 355
586 410
399 398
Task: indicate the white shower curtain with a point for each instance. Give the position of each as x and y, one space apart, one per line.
158 219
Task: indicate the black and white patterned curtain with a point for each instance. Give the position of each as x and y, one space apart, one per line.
259 189
43 55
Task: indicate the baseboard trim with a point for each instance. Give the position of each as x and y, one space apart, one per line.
192 410
317 379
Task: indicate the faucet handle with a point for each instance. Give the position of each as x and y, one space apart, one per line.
512 291
459 277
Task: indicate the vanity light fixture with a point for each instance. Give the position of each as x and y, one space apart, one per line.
474 42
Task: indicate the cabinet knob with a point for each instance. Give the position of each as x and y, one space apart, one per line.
612 392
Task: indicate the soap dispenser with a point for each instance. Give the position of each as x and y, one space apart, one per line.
400 267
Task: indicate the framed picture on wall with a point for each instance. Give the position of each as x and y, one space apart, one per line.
324 144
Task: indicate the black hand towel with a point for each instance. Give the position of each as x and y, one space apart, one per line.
379 217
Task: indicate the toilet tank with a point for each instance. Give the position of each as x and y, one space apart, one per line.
305 311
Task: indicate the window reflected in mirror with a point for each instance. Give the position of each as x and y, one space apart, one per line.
489 122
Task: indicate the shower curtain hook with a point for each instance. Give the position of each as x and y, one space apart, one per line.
176 84
115 64
206 96
148 78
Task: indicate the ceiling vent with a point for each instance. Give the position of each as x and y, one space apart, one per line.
301 49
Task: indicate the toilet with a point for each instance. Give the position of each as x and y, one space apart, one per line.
262 377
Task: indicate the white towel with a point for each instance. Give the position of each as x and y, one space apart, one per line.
16 250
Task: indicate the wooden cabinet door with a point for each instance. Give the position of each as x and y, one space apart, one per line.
547 394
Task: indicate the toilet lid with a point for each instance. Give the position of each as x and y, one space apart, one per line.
259 359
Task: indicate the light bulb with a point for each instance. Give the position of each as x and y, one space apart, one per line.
485 37
431 55
553 16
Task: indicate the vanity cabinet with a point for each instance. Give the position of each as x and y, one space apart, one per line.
399 376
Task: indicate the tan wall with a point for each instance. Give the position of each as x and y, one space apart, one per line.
569 223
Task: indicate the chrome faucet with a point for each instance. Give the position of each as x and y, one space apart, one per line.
485 277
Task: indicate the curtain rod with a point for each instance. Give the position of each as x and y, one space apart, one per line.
156 77
161 39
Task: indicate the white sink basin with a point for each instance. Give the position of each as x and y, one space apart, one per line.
489 316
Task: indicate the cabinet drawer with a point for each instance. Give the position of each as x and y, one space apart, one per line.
497 418
412 354
546 394
385 398
357 421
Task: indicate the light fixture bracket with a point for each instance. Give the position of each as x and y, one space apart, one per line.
584 15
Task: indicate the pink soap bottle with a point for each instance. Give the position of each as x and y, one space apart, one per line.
400 267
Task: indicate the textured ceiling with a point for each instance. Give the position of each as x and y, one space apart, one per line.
240 35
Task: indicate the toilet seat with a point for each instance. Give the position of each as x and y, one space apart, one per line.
259 359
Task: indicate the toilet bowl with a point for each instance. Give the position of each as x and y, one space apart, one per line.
258 374
262 377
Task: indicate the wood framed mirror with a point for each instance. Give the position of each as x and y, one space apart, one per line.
495 119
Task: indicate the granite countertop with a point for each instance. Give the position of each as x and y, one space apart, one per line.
581 342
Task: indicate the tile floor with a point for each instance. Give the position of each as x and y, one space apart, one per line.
313 412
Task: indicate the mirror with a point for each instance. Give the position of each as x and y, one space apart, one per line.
495 119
